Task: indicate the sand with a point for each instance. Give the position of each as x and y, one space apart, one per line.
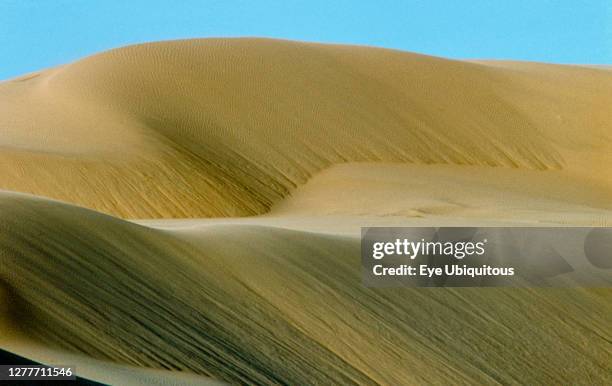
214 192
209 128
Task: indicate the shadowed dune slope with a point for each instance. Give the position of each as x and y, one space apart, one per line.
228 127
259 305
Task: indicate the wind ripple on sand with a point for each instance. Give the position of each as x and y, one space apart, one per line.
229 127
258 305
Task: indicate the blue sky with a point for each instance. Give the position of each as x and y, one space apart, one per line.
35 34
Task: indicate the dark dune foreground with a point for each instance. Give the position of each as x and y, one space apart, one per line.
309 142
8 358
260 305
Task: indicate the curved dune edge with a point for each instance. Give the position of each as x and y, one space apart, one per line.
436 194
105 373
229 127
321 138
245 304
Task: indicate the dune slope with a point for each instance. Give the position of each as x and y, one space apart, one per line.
228 127
287 148
259 305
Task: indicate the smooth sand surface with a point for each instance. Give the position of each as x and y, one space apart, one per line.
209 128
170 144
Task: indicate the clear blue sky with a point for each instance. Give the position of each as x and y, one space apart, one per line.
35 34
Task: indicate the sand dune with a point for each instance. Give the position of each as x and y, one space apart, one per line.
149 271
262 305
227 127
474 193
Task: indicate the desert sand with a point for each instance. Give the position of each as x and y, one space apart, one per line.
188 212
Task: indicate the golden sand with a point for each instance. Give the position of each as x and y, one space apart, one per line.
170 144
209 128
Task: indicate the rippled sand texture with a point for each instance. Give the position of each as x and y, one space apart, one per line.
170 145
206 128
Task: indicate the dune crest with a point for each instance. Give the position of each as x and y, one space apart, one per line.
229 127
288 148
